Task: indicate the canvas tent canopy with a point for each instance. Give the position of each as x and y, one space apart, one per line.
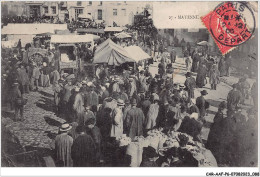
32 29
137 53
112 54
113 29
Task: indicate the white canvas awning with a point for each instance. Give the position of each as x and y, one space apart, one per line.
24 38
65 39
122 35
113 29
29 29
137 53
86 16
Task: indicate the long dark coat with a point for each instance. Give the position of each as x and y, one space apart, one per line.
202 73
233 98
83 151
134 122
201 103
215 137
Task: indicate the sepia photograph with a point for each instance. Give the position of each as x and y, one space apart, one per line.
129 84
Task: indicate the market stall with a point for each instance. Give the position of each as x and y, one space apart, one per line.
68 59
162 143
140 56
112 54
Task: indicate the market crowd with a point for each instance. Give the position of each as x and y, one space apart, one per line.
107 107
102 108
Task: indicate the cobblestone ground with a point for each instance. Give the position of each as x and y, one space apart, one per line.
40 123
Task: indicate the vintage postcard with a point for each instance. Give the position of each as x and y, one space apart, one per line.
130 84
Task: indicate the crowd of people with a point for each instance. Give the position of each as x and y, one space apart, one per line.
101 108
26 19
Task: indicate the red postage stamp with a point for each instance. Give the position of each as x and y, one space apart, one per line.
230 24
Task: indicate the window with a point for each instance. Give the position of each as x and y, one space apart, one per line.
99 14
53 9
77 12
79 3
123 12
100 3
46 10
90 3
115 12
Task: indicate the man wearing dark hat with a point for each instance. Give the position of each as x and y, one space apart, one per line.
92 97
173 158
140 97
122 94
162 68
23 79
67 92
195 60
233 99
57 88
173 55
83 150
149 157
134 121
146 104
190 84
166 117
88 114
202 104
63 143
94 132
